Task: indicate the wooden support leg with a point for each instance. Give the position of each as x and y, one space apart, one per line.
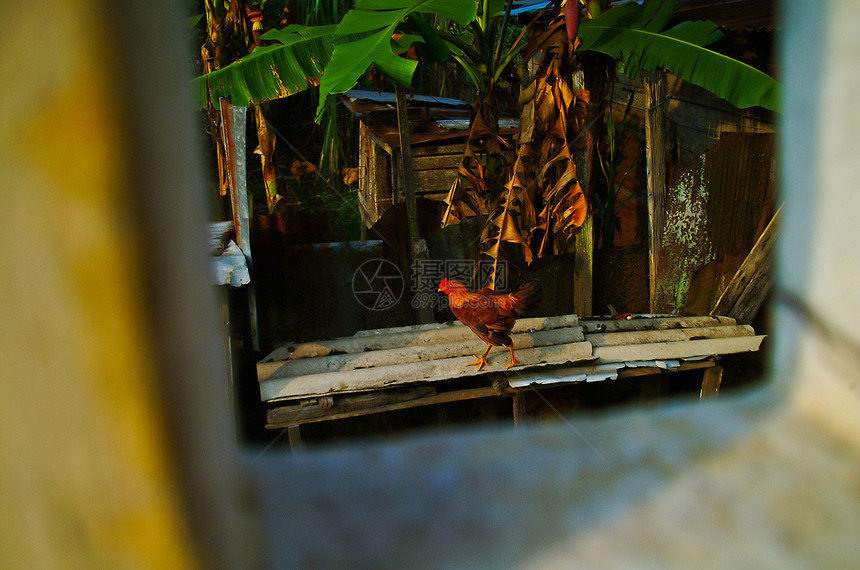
294 433
519 409
711 382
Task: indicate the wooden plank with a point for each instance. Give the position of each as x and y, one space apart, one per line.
653 323
438 162
421 353
406 336
753 281
278 418
678 350
655 92
413 372
438 196
667 335
435 150
434 180
711 380
529 324
345 405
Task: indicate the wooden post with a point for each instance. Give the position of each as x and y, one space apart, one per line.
519 409
584 244
655 94
711 380
418 247
365 187
294 434
753 281
407 174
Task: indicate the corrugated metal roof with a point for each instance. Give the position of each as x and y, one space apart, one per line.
432 119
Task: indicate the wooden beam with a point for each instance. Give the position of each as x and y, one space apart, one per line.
415 335
652 323
418 247
753 280
677 350
294 433
711 380
310 385
400 354
282 417
583 272
655 144
366 188
626 338
519 404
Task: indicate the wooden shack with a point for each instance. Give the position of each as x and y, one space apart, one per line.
438 126
703 186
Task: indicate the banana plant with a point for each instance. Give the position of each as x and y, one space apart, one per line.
636 35
334 58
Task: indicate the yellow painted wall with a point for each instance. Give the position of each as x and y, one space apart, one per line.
86 476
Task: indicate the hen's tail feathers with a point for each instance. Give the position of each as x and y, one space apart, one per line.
528 295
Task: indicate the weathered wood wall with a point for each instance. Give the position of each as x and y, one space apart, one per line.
720 191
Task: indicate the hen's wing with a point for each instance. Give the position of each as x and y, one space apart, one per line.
497 333
487 313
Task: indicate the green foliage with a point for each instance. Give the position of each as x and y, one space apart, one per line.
607 205
287 67
633 33
377 20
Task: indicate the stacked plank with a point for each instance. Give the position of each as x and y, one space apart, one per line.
371 360
573 351
648 343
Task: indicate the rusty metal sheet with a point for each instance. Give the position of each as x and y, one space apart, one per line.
715 210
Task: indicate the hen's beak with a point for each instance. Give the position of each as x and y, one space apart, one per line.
439 290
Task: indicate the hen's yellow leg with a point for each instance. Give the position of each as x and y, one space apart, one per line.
482 360
514 360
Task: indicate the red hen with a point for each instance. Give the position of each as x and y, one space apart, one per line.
490 315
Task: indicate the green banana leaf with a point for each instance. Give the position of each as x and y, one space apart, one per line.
631 32
285 68
380 18
345 52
